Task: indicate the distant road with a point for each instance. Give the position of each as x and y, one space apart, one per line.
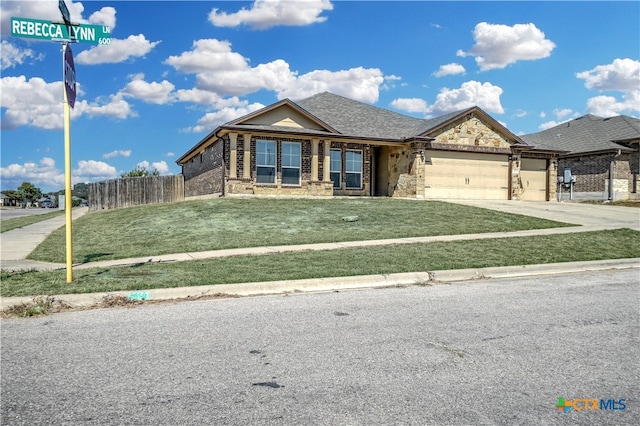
11 213
480 352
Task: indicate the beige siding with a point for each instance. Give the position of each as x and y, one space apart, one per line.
533 177
465 175
285 117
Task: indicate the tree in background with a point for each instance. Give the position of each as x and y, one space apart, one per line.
140 171
81 190
29 192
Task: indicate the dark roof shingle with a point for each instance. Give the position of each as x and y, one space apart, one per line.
589 133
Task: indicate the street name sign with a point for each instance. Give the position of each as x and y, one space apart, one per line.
55 31
65 11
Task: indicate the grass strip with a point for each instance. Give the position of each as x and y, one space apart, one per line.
595 245
216 224
19 222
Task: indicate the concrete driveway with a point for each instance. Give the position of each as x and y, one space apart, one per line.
592 215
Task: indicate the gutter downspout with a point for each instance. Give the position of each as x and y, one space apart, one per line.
612 173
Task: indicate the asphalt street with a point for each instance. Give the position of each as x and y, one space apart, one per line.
12 213
476 352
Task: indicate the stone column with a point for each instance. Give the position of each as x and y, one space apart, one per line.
246 171
314 159
233 160
326 164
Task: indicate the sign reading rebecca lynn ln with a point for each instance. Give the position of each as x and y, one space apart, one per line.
47 30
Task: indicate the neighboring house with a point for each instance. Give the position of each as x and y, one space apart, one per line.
7 201
597 151
329 145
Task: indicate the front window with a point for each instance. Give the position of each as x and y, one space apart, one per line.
353 169
266 161
290 163
335 167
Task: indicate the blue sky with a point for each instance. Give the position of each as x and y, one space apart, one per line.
176 69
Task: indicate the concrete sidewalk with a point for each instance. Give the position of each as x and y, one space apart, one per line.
17 244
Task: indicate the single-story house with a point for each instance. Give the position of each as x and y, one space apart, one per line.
597 151
329 145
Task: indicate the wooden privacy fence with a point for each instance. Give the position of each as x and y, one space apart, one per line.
135 191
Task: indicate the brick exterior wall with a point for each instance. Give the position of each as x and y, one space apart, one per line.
592 175
203 174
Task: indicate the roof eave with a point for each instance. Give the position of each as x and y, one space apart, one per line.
196 147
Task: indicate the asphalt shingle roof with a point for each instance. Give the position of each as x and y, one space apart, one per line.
355 118
589 133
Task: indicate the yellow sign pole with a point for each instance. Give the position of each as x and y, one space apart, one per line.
67 174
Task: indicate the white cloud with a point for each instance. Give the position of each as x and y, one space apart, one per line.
91 170
117 153
449 69
500 45
213 119
171 154
274 76
36 103
550 124
470 93
13 55
42 173
359 83
105 16
561 113
117 51
208 55
609 106
154 93
270 13
221 71
410 105
45 173
31 102
161 166
621 75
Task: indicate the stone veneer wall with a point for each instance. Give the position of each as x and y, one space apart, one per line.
203 174
471 131
402 176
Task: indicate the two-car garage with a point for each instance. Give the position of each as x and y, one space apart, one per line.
481 176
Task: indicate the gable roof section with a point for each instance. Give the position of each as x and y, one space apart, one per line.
331 115
432 126
589 133
355 118
252 119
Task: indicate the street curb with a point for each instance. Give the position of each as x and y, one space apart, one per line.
336 283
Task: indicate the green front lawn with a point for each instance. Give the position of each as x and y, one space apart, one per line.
232 223
597 245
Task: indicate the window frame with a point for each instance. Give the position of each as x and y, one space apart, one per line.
298 167
267 166
337 184
347 172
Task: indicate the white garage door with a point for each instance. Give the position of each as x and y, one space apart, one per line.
466 175
533 175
